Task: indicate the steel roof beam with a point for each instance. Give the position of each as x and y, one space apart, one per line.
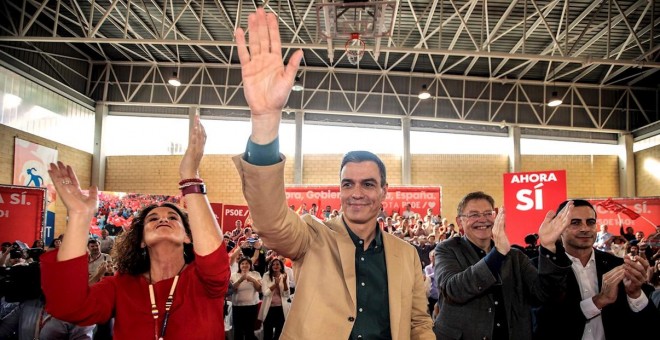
520 56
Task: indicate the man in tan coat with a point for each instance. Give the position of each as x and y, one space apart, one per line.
352 280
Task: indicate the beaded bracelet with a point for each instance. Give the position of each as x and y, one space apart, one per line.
191 180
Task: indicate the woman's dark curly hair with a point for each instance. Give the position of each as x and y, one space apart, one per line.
128 252
271 272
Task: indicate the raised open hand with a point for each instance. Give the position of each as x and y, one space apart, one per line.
499 233
189 167
553 226
68 188
266 81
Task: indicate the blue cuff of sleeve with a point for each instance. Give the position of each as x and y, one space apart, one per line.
494 260
257 154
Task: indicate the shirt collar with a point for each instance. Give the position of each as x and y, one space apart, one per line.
592 258
378 238
478 250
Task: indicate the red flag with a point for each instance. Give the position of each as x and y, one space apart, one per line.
319 211
616 207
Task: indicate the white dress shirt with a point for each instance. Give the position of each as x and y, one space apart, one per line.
587 279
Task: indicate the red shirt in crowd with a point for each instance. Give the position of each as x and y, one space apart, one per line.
197 311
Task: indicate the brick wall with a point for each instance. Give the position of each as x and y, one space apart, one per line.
324 169
81 162
587 176
459 175
647 172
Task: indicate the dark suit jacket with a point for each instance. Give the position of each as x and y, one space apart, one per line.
467 310
562 318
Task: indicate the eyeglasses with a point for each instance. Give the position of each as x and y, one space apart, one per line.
476 215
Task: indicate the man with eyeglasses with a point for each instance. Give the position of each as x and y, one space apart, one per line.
606 296
487 289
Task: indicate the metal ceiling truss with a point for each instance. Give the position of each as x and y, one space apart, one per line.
342 92
485 61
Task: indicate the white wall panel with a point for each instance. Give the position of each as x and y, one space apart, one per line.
44 113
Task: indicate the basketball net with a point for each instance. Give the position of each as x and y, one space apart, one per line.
354 48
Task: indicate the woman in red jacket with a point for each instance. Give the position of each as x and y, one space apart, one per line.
160 291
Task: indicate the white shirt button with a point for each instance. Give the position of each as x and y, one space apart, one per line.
362 284
496 303
360 309
362 258
361 242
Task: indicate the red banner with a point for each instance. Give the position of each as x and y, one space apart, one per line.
217 213
22 211
419 198
643 214
233 213
527 198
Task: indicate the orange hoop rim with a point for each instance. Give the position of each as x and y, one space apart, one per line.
357 52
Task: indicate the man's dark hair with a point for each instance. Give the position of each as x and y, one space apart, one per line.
93 240
477 195
577 203
365 156
531 239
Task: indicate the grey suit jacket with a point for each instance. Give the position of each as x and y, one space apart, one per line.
467 311
323 253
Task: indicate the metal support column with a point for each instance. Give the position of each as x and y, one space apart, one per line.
298 158
514 149
405 160
98 159
626 166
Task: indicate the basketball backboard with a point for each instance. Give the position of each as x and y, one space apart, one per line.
339 19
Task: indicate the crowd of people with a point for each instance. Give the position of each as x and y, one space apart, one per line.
116 212
350 273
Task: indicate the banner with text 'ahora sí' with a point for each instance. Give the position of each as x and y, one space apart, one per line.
527 198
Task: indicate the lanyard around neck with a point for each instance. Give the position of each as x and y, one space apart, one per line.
168 305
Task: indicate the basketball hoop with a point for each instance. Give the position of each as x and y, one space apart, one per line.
354 48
